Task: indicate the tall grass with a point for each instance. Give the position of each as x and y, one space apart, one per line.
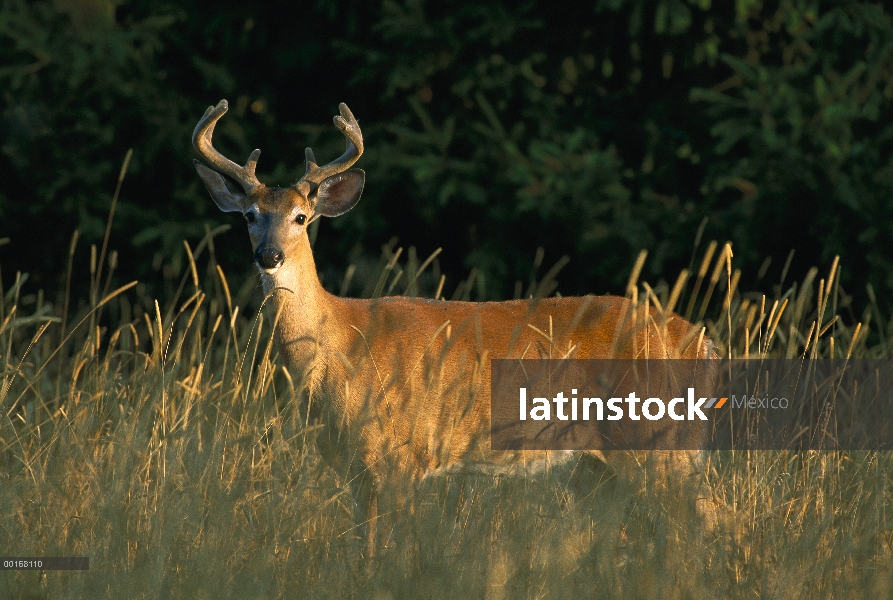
166 441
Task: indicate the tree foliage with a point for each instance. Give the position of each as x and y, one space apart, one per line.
592 130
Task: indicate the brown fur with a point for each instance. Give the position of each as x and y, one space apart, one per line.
401 418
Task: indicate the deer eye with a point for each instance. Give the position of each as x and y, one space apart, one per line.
300 219
249 216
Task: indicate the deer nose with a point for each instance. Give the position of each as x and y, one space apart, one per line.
268 257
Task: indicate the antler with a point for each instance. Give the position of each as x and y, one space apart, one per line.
347 124
201 139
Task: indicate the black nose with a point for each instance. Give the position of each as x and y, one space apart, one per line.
268 257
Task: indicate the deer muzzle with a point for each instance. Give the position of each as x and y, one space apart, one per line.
269 257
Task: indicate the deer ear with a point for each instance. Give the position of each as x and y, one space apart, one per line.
339 193
225 193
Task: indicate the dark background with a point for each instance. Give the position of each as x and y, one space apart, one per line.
590 129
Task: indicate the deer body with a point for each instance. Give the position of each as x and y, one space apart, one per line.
386 349
402 385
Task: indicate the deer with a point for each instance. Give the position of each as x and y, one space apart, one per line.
400 383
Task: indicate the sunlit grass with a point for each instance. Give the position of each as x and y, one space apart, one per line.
165 441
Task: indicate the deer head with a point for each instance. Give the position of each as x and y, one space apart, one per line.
278 217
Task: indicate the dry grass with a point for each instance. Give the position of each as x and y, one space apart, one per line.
169 445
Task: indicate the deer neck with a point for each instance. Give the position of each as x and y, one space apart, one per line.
294 293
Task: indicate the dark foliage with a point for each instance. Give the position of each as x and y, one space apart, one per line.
593 130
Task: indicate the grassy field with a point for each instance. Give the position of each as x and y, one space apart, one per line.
168 444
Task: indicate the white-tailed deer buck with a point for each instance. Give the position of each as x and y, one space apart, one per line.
402 384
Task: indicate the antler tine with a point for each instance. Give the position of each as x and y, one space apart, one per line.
346 124
201 139
309 161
